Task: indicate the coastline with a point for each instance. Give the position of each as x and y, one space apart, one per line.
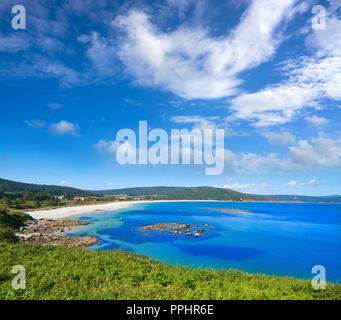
73 211
69 212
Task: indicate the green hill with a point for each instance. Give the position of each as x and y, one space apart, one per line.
12 186
309 198
186 193
160 192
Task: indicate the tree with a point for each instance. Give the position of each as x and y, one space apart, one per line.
36 204
8 202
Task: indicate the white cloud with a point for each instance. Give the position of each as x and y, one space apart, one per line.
109 184
257 163
41 67
201 123
321 152
318 152
282 138
310 79
271 106
197 121
109 147
329 39
63 127
37 124
294 183
63 182
192 64
249 187
101 52
54 105
313 182
240 186
13 43
316 121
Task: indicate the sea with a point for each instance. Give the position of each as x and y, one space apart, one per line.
286 239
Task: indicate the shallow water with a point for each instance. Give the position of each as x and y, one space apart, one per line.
274 238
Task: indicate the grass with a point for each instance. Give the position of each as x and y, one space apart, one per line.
74 273
55 272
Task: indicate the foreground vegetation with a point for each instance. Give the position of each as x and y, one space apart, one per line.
55 272
71 273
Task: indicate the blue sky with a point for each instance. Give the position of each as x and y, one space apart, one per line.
260 70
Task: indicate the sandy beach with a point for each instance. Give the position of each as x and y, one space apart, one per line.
69 212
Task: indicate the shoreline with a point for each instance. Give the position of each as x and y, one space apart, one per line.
69 212
51 232
74 211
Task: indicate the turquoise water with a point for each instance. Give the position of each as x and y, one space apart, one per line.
275 238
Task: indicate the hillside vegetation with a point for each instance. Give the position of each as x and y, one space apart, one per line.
16 189
13 186
186 193
309 198
27 200
73 273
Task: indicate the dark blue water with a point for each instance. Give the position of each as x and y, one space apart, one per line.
274 238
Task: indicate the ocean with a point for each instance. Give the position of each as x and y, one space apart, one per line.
286 239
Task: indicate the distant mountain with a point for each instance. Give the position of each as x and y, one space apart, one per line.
210 193
140 191
186 193
308 198
165 193
13 186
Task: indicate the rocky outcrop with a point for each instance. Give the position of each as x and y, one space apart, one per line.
176 229
48 231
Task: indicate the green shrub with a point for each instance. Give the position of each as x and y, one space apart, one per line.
7 235
9 222
55 272
13 219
